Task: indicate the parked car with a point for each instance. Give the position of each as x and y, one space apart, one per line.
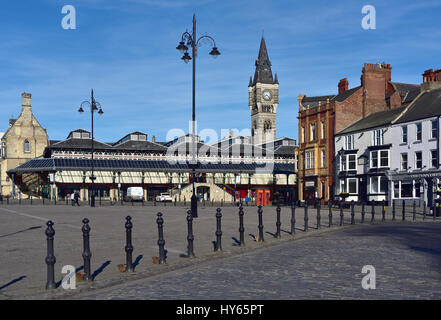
134 194
164 197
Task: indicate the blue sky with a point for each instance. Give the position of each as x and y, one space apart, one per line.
125 50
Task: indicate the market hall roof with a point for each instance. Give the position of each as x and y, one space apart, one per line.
62 164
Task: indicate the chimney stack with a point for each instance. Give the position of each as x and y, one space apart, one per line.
431 80
343 85
26 100
153 139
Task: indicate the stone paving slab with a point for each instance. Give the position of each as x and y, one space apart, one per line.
23 243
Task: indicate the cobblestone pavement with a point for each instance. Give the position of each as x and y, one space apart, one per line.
23 242
406 256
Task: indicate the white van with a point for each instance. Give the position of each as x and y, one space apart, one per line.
134 194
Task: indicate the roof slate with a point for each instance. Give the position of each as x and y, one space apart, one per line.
425 106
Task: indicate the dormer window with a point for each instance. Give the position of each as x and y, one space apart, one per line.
76 135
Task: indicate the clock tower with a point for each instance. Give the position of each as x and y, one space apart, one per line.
263 97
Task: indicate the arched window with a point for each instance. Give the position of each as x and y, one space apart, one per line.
27 146
267 125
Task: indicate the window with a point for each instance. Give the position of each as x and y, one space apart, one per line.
433 159
383 184
303 134
323 130
343 162
380 159
418 160
352 185
434 129
349 142
378 137
374 159
310 160
374 184
406 189
379 184
384 158
312 132
323 158
419 131
27 146
352 162
404 134
404 161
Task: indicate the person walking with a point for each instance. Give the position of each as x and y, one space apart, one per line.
72 198
77 197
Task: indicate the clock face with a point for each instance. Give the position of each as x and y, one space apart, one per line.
267 95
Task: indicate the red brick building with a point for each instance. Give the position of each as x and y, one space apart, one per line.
322 116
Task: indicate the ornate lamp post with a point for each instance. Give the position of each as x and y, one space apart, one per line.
189 40
94 106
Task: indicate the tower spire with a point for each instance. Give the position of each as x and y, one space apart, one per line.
263 73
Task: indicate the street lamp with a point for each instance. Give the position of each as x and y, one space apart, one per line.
189 40
94 106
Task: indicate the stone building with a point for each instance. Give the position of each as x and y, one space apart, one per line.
321 117
25 139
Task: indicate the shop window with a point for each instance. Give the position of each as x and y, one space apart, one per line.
352 185
406 189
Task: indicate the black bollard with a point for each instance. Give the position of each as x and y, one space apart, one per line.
42 197
393 210
241 227
362 212
86 250
352 212
383 211
190 236
424 210
404 211
218 246
414 211
330 214
161 241
435 211
278 223
260 226
175 201
67 201
305 218
373 212
318 214
50 258
129 246
293 218
342 216
154 202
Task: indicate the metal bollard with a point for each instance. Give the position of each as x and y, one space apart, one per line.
373 212
305 219
435 211
260 226
241 227
318 214
293 218
42 197
190 236
362 212
50 258
129 246
218 246
342 216
393 210
330 214
154 202
404 211
278 223
175 201
161 241
67 201
86 249
414 211
424 210
383 211
352 213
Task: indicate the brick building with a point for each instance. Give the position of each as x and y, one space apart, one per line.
322 116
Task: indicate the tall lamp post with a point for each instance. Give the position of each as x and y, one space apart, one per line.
189 40
94 106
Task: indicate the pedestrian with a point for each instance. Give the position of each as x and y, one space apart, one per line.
247 199
72 198
77 197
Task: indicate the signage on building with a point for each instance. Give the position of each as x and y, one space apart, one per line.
238 178
310 184
51 177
